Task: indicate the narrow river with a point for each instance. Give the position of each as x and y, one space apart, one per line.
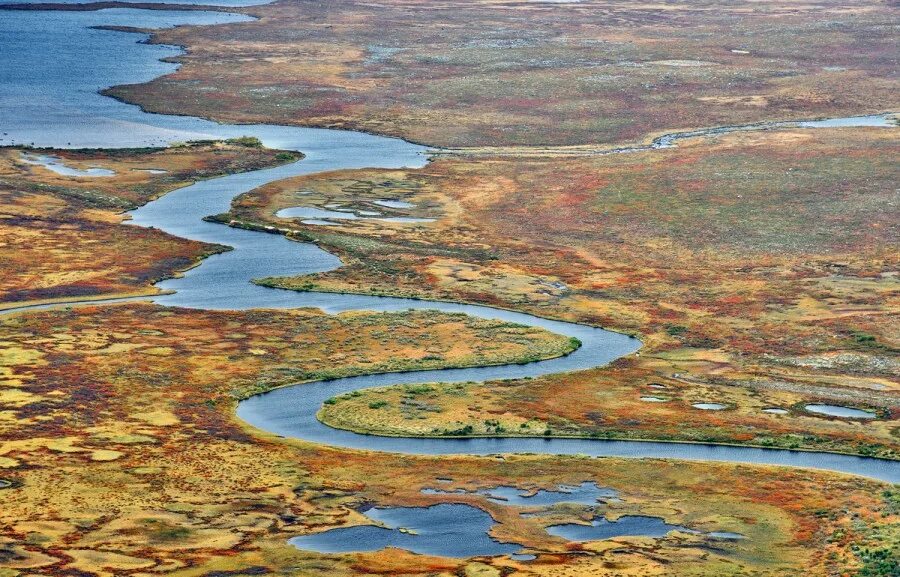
54 64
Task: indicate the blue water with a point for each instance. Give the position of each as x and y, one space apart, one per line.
53 64
459 530
447 530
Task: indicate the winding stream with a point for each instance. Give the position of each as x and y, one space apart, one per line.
54 64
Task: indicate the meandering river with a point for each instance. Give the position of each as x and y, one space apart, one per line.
54 65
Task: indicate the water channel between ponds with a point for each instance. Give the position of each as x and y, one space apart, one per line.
57 62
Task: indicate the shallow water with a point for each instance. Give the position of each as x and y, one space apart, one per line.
54 64
460 530
317 214
57 165
840 411
393 203
709 406
586 493
873 120
601 528
447 530
313 212
877 120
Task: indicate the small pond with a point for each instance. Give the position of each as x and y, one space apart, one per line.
840 411
313 212
447 530
776 411
652 399
878 120
407 219
586 493
57 165
727 535
710 406
601 528
393 203
629 525
317 214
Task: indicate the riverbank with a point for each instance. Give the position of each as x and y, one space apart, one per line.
120 402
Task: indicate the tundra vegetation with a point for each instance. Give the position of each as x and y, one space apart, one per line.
121 455
472 73
705 251
758 268
61 236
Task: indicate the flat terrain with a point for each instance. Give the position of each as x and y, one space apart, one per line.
119 444
121 455
488 73
705 251
759 270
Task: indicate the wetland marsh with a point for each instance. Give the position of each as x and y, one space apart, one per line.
155 378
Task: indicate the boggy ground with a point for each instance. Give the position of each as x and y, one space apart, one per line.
487 73
758 268
121 455
109 415
61 236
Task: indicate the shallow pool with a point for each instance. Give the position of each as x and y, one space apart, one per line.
840 411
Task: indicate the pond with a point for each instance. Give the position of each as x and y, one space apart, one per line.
317 214
393 203
459 530
601 528
58 165
776 411
629 525
446 530
840 411
586 493
709 406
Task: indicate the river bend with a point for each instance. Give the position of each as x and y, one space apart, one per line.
54 65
